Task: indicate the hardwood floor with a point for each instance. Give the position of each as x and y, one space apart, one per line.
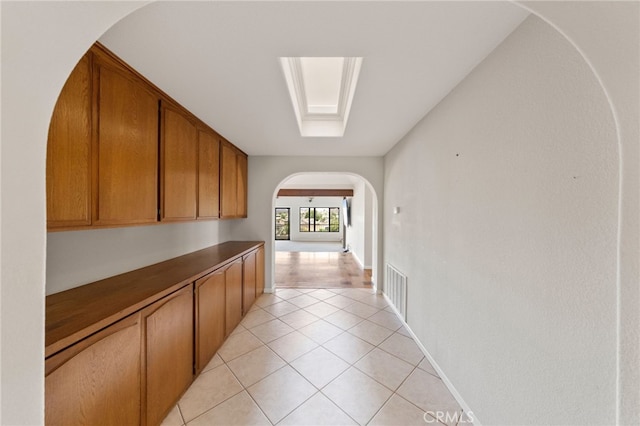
320 270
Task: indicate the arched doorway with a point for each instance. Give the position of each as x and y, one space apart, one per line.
355 239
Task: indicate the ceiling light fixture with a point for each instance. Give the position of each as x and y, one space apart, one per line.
321 90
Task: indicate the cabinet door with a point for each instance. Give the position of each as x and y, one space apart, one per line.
233 285
69 152
210 317
260 271
179 147
98 380
127 150
228 180
208 175
248 281
168 327
241 187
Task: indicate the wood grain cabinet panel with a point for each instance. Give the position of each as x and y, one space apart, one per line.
69 152
241 187
179 156
109 129
233 181
233 296
208 175
98 380
168 327
210 316
127 150
260 271
228 180
248 281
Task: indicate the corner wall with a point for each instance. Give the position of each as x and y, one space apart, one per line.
359 233
507 231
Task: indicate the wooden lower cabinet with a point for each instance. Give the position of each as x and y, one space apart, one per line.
168 357
248 281
233 296
210 316
97 381
135 370
260 271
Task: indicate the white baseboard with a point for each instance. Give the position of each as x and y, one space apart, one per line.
465 407
355 256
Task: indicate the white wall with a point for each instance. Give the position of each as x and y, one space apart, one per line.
507 231
41 42
267 173
294 203
369 206
359 233
79 257
608 35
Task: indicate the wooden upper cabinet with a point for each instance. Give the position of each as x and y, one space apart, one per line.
127 149
241 188
98 380
228 180
233 182
121 152
208 175
69 152
179 165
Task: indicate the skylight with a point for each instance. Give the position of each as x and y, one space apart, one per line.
321 90
322 78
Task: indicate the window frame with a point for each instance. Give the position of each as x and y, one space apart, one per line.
312 225
288 209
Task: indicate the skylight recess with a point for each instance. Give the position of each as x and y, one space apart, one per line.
322 78
321 90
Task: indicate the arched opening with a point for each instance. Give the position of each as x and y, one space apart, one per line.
360 237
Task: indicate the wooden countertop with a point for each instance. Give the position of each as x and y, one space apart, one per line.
74 314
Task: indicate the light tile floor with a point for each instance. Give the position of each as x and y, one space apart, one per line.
318 357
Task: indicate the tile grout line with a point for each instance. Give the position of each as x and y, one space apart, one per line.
343 331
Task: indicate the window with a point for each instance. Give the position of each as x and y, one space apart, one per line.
282 223
319 219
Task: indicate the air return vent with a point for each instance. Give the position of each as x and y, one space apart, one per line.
395 288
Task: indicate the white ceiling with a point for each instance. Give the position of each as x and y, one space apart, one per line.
221 61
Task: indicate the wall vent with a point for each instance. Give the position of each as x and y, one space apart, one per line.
395 288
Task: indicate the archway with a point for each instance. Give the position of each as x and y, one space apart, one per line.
367 252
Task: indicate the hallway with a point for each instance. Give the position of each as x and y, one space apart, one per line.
318 357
